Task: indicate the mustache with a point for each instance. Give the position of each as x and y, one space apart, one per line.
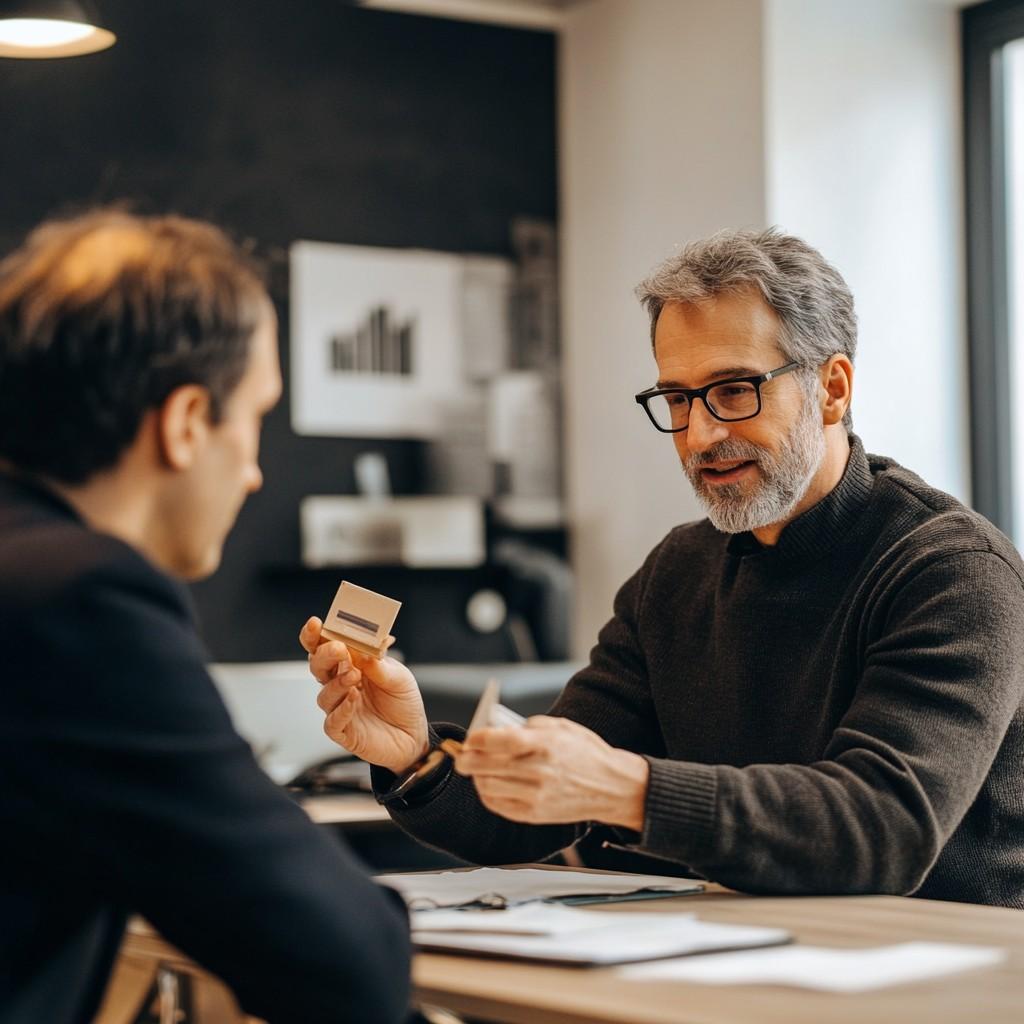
725 451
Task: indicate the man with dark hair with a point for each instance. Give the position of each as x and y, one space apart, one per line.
137 357
817 689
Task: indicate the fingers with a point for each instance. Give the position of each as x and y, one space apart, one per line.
516 752
504 742
536 735
309 635
335 691
329 660
325 656
389 675
339 719
501 752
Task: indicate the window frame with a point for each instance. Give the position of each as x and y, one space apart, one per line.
986 29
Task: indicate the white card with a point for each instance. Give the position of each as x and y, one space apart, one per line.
490 714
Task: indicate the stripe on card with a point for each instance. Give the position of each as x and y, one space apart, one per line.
355 620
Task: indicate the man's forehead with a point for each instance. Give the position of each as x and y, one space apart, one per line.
730 335
743 311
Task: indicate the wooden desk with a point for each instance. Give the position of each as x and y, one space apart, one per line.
353 810
510 993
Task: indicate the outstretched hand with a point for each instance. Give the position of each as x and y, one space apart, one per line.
555 771
373 706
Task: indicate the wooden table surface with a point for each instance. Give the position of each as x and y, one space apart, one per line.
512 993
520 993
353 810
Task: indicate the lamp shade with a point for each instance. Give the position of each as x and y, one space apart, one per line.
51 28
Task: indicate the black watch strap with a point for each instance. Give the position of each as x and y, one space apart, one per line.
425 767
419 783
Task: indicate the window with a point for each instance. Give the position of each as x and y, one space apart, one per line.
1013 125
994 111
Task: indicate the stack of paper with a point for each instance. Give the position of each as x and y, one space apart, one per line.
554 934
506 887
828 970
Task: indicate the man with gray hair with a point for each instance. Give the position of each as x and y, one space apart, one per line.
817 689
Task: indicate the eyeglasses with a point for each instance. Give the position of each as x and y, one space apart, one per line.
738 398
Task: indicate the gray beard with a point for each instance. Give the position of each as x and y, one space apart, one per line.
784 478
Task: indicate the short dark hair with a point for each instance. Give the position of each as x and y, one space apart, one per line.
102 316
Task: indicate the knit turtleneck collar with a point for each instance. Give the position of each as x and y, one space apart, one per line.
823 525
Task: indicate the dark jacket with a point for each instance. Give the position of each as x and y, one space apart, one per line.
125 789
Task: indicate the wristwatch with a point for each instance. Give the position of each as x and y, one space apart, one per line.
420 771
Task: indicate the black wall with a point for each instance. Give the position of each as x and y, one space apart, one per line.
283 120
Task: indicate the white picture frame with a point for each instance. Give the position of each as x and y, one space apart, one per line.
376 339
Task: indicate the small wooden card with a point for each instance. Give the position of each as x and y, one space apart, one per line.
362 619
489 714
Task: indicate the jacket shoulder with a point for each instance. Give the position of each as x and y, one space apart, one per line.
44 563
932 523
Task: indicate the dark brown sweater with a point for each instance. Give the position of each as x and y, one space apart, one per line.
841 713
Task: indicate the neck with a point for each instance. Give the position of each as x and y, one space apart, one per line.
109 505
123 502
837 454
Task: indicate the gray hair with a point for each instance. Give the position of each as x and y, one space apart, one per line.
809 295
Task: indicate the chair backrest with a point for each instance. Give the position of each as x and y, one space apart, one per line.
153 983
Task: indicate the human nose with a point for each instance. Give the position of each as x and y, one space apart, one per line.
703 430
255 478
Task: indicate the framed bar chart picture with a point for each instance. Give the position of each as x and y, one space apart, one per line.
376 339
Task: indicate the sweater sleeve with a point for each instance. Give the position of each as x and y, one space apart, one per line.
159 806
943 676
609 696
445 812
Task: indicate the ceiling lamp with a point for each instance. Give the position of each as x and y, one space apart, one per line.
51 28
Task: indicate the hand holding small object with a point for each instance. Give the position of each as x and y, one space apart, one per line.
554 771
372 705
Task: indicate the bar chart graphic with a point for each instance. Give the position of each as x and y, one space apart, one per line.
381 344
376 339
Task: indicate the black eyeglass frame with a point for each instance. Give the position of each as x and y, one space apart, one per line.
694 393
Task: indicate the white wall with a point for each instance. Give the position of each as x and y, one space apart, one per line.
661 141
840 120
864 160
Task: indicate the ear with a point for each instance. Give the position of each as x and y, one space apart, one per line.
183 425
837 383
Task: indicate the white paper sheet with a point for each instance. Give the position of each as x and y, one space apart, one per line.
502 887
828 970
527 919
539 931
